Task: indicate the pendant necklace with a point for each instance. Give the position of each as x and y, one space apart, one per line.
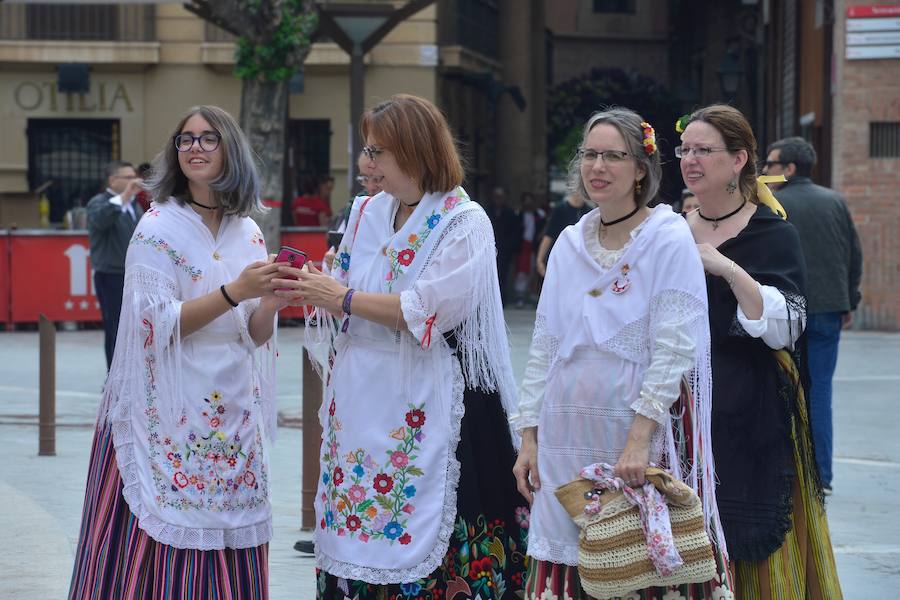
715 221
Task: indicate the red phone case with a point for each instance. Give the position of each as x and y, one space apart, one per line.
292 256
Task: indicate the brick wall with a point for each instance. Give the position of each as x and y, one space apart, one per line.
869 91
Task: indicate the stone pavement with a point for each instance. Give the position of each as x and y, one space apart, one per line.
41 497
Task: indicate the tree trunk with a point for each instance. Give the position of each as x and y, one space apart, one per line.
264 119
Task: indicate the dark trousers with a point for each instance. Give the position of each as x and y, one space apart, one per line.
108 287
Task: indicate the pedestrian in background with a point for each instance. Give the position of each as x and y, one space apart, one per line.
689 202
833 272
177 498
508 235
112 216
311 208
532 218
563 214
769 494
416 485
598 388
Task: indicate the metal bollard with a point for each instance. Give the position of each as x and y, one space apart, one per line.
47 415
312 438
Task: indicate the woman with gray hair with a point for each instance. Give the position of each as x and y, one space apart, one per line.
621 321
177 499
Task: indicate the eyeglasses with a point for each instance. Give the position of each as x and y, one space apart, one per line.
699 151
589 156
372 152
767 164
208 141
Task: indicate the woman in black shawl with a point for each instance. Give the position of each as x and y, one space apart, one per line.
769 496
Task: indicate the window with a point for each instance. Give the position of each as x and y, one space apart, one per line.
71 153
884 140
614 6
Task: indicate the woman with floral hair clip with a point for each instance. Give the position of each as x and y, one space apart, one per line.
621 321
769 493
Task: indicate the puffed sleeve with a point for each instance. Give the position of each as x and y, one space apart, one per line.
778 326
462 274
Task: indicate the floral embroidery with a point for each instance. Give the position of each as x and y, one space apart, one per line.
257 239
152 212
208 469
163 246
400 258
367 500
484 560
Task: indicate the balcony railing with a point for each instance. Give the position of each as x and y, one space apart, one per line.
79 22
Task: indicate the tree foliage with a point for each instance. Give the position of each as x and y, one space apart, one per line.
276 55
571 102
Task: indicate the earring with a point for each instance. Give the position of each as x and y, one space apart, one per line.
731 187
637 186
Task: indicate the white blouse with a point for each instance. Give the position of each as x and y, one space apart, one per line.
777 327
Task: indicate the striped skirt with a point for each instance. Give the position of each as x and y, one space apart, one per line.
116 559
804 566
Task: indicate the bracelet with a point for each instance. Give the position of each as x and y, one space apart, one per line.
227 297
731 275
348 297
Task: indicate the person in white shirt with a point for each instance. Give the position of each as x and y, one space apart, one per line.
621 321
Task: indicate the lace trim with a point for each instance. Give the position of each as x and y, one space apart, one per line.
196 538
544 549
605 258
415 314
433 559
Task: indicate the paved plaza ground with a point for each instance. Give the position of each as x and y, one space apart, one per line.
41 497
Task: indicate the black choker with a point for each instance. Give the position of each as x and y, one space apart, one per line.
409 205
192 201
716 220
625 218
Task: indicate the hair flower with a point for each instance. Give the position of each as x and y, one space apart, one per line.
649 138
682 122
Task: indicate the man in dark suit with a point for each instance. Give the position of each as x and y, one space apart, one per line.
834 269
112 216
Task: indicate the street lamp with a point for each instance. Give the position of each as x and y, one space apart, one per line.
730 72
357 27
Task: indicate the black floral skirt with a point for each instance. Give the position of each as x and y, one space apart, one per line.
486 556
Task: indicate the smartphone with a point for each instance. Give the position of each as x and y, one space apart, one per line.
334 239
292 256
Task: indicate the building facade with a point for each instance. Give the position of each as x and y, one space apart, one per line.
148 63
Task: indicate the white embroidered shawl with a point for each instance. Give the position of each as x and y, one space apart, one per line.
188 412
394 401
664 285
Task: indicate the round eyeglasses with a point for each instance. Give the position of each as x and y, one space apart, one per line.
208 141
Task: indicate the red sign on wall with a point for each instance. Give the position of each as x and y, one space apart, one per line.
873 12
4 277
51 274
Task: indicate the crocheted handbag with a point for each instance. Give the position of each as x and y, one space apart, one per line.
613 557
